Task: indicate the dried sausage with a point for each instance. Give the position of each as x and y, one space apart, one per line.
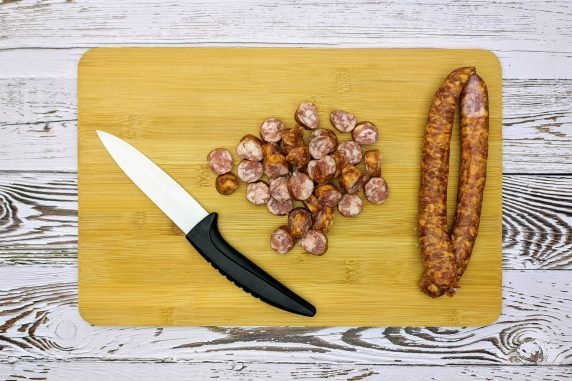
322 170
279 208
270 130
351 179
365 133
472 174
376 190
292 138
324 131
270 149
324 219
300 186
299 156
439 261
250 148
250 171
307 116
314 242
220 161
299 222
372 160
226 183
281 240
275 166
312 204
279 188
322 145
257 193
343 121
351 150
341 162
327 194
350 205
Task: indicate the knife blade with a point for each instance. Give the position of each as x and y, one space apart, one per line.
201 228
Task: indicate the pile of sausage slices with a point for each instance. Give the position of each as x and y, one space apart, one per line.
318 171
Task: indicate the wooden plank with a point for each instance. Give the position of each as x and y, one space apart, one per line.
39 320
244 371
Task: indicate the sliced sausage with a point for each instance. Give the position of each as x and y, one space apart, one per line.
220 161
250 171
341 162
275 166
350 205
300 186
270 149
299 156
322 170
312 204
279 188
299 222
342 120
351 150
327 194
376 190
226 183
372 160
258 193
324 131
281 240
324 219
307 116
439 260
351 179
292 138
279 208
250 148
314 242
270 130
322 145
365 133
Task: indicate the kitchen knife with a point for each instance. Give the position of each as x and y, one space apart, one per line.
201 228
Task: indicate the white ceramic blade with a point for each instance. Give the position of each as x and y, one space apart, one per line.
165 192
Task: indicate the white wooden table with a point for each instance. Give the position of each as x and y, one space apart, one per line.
41 333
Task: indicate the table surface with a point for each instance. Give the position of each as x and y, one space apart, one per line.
42 335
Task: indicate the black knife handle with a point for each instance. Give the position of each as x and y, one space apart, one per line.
207 240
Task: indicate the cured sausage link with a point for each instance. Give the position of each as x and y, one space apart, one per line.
472 174
437 253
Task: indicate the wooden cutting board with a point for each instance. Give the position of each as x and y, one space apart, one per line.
175 105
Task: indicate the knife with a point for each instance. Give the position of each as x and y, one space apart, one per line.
201 228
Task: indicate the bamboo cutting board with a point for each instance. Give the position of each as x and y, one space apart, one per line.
175 105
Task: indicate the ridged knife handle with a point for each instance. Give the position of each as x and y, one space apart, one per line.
207 240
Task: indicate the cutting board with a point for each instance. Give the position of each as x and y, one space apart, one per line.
175 105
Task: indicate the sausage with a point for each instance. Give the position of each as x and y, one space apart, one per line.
350 205
324 219
351 179
226 183
258 193
281 240
270 149
250 171
341 162
292 138
439 261
299 156
376 190
322 170
275 166
279 208
473 170
250 148
312 204
314 242
324 131
351 150
220 161
327 194
372 160
322 145
342 120
299 222
270 130
307 116
279 188
300 186
365 133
